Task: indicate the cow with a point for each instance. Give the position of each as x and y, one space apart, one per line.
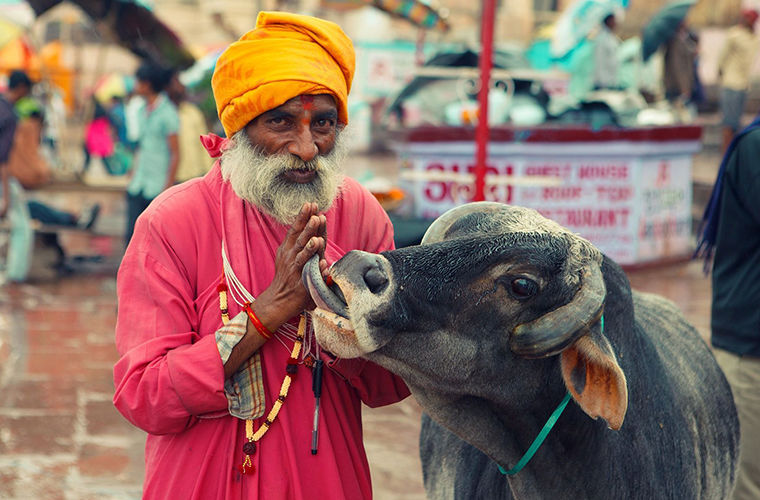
498 318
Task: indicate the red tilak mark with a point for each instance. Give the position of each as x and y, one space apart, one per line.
308 102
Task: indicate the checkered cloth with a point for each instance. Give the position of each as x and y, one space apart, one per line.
245 389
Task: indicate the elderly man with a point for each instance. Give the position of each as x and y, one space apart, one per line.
217 352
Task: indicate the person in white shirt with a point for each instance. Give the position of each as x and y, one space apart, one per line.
605 55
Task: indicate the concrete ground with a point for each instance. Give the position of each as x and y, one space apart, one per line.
61 438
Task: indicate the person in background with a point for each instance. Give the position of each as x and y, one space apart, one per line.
679 72
734 65
729 241
13 209
117 115
605 55
154 165
218 358
7 131
25 162
193 159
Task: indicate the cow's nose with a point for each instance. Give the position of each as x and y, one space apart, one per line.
375 279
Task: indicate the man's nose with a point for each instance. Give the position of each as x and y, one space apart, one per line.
303 145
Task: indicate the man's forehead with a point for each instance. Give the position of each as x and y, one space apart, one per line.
308 101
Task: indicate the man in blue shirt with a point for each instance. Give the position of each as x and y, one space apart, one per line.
157 156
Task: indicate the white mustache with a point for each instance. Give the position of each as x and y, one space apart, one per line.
261 179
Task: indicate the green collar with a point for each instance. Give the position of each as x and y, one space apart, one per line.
539 439
544 432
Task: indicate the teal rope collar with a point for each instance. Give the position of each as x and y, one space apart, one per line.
539 439
536 444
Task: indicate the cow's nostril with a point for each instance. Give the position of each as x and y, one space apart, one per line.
375 279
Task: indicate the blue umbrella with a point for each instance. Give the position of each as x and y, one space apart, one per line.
663 25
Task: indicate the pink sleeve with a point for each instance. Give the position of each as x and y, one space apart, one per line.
379 237
375 385
167 374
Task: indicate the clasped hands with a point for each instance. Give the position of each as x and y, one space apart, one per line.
286 297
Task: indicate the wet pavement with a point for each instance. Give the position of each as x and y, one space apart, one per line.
61 438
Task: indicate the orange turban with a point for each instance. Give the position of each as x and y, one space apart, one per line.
285 56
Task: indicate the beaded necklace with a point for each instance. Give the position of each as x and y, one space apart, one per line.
244 298
249 448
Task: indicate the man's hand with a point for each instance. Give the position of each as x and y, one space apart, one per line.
286 296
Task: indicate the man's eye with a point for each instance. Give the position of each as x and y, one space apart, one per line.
324 122
277 121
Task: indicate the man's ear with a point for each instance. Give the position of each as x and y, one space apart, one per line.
594 378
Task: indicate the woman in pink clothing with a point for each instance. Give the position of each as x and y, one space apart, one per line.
217 352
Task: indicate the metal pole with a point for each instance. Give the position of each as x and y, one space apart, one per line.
482 132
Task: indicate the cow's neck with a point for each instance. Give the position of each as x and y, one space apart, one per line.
487 427
571 455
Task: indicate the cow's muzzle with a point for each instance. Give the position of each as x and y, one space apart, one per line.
325 297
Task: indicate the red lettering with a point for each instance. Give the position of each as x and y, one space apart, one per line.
463 192
586 217
562 193
436 191
603 171
548 170
663 175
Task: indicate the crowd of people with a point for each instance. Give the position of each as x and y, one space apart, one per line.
151 136
23 167
681 84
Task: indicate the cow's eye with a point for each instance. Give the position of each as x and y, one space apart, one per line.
522 288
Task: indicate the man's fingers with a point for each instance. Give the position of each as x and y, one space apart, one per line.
313 245
322 232
324 268
302 219
311 229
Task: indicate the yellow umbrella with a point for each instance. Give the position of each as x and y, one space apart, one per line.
110 86
18 54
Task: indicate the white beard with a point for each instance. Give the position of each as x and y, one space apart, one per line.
258 178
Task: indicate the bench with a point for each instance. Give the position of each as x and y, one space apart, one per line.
63 249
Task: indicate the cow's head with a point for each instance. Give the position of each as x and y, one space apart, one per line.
467 314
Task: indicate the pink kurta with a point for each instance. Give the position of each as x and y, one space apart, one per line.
170 377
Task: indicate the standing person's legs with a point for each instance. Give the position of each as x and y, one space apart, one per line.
136 204
49 215
731 107
743 374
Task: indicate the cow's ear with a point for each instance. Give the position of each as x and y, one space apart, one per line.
594 378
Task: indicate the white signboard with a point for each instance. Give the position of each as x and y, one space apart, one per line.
633 208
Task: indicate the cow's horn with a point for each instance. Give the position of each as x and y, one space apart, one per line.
437 230
554 331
